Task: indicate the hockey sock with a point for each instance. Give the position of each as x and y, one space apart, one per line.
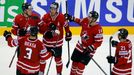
80 68
59 64
74 68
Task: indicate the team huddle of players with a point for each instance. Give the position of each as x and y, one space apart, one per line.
33 53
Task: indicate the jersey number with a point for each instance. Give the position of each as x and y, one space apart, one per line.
123 48
28 53
129 56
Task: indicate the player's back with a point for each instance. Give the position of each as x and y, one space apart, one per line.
29 57
124 58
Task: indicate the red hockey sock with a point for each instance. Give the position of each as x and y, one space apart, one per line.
59 64
80 69
74 68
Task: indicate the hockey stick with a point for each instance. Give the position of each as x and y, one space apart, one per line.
99 66
13 58
49 65
68 55
67 41
94 61
110 53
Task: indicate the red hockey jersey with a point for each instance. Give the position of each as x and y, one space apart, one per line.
60 22
31 53
90 35
124 58
22 22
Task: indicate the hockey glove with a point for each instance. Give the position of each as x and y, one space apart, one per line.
48 35
111 59
69 17
7 34
114 43
68 36
22 32
52 26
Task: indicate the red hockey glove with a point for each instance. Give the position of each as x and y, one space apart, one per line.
68 36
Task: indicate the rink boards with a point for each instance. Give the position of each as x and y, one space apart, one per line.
107 30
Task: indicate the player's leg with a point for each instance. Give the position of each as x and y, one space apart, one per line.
73 68
75 58
83 62
80 68
58 60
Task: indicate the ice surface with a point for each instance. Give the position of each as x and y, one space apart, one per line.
7 52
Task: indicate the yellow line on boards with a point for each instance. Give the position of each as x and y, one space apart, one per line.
107 30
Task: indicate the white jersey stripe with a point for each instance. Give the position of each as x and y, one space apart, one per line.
28 65
30 71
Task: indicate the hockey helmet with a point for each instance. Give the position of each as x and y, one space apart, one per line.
54 5
26 6
34 30
93 14
123 33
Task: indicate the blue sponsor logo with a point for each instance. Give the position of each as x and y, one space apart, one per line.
112 12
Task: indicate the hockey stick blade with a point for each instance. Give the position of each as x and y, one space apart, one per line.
67 64
68 55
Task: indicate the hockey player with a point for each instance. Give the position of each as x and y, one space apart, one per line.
52 31
24 20
91 38
32 52
123 56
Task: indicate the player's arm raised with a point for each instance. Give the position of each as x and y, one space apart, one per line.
73 19
68 32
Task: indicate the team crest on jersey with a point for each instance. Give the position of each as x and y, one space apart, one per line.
85 36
